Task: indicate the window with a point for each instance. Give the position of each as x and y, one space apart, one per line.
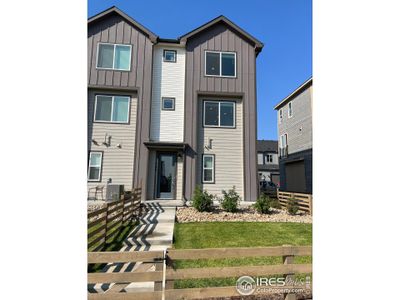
290 110
169 55
283 140
280 115
95 160
114 57
260 158
208 168
219 114
168 103
268 158
112 109
221 64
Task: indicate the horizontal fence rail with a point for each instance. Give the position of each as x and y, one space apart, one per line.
104 223
169 274
304 201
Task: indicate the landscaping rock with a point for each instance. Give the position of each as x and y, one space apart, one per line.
249 214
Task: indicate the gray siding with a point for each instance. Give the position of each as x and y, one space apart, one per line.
298 140
114 29
221 38
117 162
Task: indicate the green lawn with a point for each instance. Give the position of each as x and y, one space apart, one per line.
236 234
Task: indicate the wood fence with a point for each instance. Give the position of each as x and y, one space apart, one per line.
167 291
304 201
105 223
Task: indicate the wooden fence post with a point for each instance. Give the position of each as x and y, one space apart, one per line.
159 267
106 225
310 204
288 260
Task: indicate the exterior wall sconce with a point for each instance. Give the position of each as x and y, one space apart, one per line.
119 146
107 140
209 146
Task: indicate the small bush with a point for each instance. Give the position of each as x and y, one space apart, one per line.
275 203
202 200
292 206
263 204
231 200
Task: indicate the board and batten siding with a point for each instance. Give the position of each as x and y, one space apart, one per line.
115 29
227 146
168 81
221 38
117 163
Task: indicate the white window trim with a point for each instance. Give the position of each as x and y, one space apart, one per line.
219 114
280 112
212 168
114 69
99 166
220 63
167 98
280 139
112 109
175 55
290 110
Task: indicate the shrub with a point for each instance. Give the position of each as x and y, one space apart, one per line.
292 206
202 200
231 200
263 204
275 203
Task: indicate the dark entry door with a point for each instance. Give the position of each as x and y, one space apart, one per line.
166 175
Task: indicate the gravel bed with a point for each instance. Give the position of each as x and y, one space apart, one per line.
249 214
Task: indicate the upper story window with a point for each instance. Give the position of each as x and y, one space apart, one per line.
222 64
283 140
290 110
280 115
268 158
219 114
114 57
94 170
168 103
260 158
169 55
112 109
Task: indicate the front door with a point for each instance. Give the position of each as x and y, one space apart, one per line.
166 175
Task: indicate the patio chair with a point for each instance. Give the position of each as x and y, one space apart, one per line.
97 189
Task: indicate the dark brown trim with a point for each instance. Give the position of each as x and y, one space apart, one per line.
202 166
175 155
113 88
165 145
162 103
170 61
220 94
219 76
101 168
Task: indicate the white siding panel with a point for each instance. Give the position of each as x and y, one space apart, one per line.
168 81
227 146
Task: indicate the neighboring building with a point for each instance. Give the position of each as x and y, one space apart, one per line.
267 160
295 140
170 114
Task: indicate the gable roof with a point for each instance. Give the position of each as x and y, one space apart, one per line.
114 10
222 19
296 92
267 146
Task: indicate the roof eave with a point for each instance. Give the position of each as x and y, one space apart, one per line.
152 36
301 88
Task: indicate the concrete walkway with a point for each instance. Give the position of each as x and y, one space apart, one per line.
154 232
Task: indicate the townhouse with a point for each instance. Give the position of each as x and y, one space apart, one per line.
267 160
171 114
295 140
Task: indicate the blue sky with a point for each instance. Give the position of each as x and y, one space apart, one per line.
284 26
